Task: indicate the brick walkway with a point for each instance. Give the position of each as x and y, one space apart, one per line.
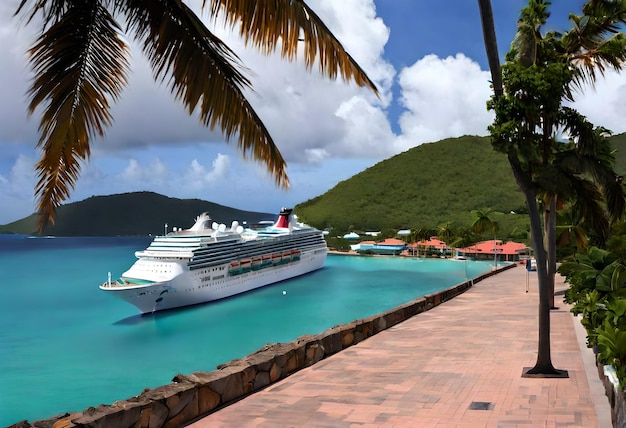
457 365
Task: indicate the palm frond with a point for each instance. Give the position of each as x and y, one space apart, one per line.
50 11
482 222
80 65
595 43
594 157
588 207
265 23
204 74
572 235
527 38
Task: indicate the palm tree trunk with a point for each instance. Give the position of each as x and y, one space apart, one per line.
543 366
495 253
550 245
491 45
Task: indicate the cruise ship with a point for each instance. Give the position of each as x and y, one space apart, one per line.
211 261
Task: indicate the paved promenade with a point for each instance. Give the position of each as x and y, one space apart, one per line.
457 365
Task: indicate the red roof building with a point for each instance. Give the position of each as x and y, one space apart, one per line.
509 251
433 244
391 241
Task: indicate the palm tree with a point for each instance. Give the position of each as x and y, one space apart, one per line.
572 232
482 224
80 64
541 72
445 233
464 238
584 174
420 234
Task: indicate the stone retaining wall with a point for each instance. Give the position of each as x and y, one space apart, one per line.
190 397
614 393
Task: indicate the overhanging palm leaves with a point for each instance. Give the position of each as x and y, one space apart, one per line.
571 235
204 74
265 23
80 62
595 41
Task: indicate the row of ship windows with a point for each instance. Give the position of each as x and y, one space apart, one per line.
258 250
301 241
213 258
208 278
215 286
214 269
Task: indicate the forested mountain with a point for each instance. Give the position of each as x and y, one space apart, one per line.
429 186
425 186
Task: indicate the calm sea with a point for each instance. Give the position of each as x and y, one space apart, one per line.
65 345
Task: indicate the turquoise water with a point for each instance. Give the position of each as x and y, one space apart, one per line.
65 345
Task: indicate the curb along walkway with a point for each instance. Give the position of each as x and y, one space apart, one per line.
456 365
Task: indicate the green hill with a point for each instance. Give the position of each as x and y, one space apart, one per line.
423 187
139 213
427 186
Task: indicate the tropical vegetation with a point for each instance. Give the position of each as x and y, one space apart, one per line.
80 63
556 155
597 292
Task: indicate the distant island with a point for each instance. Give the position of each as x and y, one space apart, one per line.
131 214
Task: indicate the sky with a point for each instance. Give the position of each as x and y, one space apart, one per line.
427 59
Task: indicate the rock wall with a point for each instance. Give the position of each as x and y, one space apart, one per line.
190 397
614 393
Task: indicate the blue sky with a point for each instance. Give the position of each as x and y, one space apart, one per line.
426 57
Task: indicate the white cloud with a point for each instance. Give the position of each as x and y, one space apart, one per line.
444 98
605 103
367 131
16 190
363 34
22 176
133 172
15 126
316 156
198 178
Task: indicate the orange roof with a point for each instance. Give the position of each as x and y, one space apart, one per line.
432 242
391 241
487 247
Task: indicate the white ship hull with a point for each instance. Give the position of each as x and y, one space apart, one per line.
202 264
188 288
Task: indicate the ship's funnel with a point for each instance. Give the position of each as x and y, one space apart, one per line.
283 218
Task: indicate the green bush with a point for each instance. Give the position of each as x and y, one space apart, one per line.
597 291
